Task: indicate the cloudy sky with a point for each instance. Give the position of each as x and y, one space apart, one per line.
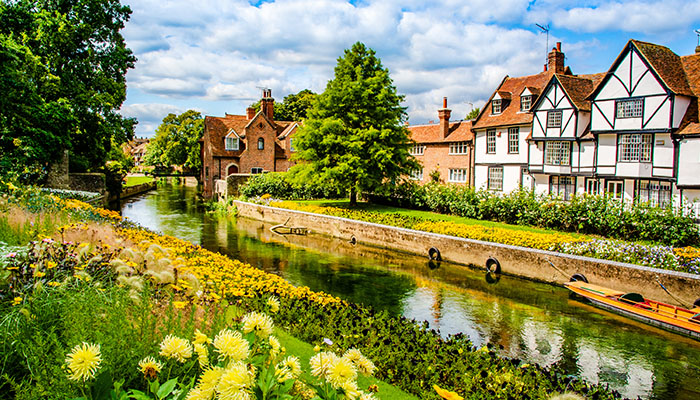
215 55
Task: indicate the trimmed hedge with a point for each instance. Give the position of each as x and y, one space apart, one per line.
279 185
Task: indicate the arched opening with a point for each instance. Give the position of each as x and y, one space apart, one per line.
231 169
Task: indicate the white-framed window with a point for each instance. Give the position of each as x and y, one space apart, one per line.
513 140
256 170
458 175
554 119
656 193
557 153
634 147
417 150
631 108
496 106
563 186
291 145
592 186
417 175
261 144
459 148
525 103
491 141
495 178
231 143
615 189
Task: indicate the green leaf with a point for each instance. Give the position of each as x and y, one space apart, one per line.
139 395
102 386
166 388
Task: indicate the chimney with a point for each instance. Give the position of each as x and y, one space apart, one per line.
444 115
249 113
697 49
555 60
267 104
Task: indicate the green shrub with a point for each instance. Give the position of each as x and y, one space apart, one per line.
281 186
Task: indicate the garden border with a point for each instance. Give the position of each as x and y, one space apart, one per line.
519 261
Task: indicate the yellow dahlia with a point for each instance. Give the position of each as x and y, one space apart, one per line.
350 389
274 304
209 380
259 323
231 345
202 355
292 364
150 368
83 361
200 338
340 371
275 345
175 347
321 362
233 382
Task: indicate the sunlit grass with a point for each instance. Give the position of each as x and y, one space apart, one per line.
137 180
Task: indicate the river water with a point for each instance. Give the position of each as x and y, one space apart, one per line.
527 320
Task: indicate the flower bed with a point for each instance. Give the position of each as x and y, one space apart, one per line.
684 259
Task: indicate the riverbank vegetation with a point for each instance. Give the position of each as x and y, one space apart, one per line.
151 295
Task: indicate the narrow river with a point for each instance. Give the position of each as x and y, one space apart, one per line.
531 321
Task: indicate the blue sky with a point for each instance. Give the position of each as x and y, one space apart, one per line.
215 55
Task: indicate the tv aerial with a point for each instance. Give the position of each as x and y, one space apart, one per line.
545 29
697 32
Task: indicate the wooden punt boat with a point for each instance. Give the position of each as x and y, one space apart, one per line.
677 319
289 230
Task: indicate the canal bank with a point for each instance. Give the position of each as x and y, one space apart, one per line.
534 264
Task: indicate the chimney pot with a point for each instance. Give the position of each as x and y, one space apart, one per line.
444 102
444 115
559 46
555 60
545 68
249 113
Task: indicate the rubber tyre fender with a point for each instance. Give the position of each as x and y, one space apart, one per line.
578 277
434 254
697 303
493 266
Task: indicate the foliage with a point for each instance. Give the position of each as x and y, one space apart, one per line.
176 143
473 113
294 107
597 215
282 185
354 138
115 172
63 81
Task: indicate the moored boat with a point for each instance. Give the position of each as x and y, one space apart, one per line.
673 318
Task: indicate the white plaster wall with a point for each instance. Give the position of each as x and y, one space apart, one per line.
541 183
584 118
689 162
536 153
648 84
680 106
662 118
663 153
587 156
607 108
607 149
537 127
480 176
511 177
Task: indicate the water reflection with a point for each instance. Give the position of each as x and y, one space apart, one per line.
526 320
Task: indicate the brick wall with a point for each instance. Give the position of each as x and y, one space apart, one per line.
436 156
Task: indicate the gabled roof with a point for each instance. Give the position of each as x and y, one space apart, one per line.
460 131
690 125
511 115
287 130
219 127
666 64
577 88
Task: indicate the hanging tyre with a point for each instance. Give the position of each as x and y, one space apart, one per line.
434 254
697 303
493 266
578 277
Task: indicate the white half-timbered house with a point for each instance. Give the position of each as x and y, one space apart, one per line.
561 157
635 111
688 136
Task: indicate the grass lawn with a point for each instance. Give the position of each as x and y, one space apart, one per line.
305 351
137 180
345 203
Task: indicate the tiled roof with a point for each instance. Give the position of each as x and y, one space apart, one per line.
691 121
511 114
667 64
219 127
579 87
459 131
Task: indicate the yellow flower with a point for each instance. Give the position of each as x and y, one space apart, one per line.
275 344
174 347
233 382
39 274
209 380
321 362
446 394
274 304
83 361
202 355
53 283
180 304
200 338
340 371
150 368
17 300
350 389
289 368
231 345
51 264
259 323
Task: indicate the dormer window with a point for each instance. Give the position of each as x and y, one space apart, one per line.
496 106
231 143
261 144
525 103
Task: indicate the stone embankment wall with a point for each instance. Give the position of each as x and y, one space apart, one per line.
519 261
134 190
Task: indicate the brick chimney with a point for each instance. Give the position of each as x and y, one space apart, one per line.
267 104
444 115
249 113
555 60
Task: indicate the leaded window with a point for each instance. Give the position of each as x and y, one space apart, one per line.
557 153
554 119
491 141
417 150
495 178
656 193
635 147
629 108
231 143
459 148
513 140
525 103
496 106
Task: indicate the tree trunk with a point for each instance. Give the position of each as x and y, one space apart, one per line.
353 197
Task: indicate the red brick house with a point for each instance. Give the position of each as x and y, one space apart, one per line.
446 147
245 144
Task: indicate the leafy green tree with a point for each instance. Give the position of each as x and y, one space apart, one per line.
473 113
294 107
354 136
65 79
176 141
